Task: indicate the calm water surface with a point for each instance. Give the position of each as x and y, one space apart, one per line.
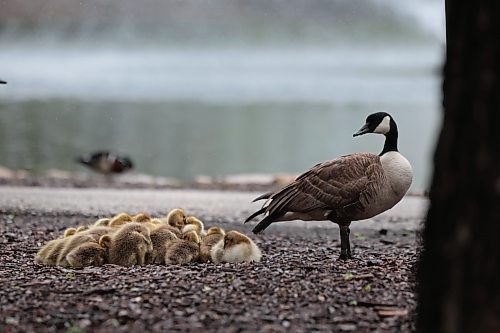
186 112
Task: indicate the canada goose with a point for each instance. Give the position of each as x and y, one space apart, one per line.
160 237
176 218
348 188
129 245
214 235
182 251
106 162
193 223
235 247
88 254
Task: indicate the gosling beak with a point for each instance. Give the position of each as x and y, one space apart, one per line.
363 130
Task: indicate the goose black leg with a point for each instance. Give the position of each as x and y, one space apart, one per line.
345 245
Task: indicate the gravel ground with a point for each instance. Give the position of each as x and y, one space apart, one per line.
298 287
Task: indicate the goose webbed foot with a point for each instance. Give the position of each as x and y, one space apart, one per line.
345 254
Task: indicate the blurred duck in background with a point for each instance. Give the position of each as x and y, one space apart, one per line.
106 162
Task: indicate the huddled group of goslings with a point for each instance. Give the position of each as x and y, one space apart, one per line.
127 240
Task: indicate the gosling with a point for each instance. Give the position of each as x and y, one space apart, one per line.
235 247
49 253
160 238
182 251
176 218
104 222
129 245
214 235
119 220
70 244
88 254
69 232
192 223
141 217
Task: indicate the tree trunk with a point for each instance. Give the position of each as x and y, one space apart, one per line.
459 272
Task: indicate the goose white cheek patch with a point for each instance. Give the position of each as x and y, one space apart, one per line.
384 127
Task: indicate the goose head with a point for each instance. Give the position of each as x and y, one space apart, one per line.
382 123
379 123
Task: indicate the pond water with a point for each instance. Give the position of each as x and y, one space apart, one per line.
183 111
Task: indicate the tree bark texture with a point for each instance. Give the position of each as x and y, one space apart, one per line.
459 271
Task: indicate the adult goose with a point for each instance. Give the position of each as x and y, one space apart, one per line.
106 162
348 188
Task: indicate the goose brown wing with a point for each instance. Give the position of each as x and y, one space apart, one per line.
334 185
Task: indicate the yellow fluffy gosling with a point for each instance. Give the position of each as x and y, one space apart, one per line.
161 236
182 251
176 218
214 235
235 247
129 245
193 223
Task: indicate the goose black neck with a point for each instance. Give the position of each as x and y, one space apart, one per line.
391 141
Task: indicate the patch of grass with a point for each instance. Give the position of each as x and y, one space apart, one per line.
11 321
359 236
75 329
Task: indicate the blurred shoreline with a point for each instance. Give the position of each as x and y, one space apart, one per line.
56 178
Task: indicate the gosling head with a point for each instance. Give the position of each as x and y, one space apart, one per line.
379 123
69 232
142 217
104 222
193 223
89 254
234 237
82 228
105 241
119 220
215 231
192 236
176 218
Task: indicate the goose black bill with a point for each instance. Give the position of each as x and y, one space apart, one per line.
363 130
